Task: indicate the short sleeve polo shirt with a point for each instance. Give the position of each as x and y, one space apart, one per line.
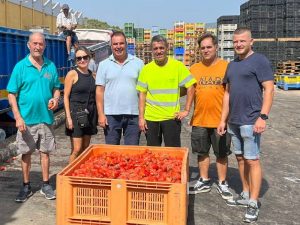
120 95
34 89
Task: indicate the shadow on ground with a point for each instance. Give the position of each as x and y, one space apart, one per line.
11 184
215 205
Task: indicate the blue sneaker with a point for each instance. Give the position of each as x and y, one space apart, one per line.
48 192
24 194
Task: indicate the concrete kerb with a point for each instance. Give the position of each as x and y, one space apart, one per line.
8 147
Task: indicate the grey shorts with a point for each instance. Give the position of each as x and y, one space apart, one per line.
203 138
36 137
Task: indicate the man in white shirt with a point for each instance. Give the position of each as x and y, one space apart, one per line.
66 24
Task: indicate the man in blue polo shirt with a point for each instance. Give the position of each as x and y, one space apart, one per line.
33 95
116 96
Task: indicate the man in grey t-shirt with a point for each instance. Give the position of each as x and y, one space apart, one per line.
247 102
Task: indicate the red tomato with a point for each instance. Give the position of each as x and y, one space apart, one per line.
145 166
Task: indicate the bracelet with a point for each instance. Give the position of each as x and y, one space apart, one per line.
57 98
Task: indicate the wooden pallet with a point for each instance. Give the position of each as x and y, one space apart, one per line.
288 63
288 72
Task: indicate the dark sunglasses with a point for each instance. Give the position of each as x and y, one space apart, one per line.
85 57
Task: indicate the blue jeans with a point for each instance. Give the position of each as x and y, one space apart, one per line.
245 141
126 124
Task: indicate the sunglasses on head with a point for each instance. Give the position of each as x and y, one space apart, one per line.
85 57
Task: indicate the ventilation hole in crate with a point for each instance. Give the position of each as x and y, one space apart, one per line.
147 206
91 201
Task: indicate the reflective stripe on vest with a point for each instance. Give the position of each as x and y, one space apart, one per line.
186 80
163 91
156 103
144 85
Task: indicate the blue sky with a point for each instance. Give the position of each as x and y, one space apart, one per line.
162 13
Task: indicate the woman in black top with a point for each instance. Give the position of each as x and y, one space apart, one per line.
79 96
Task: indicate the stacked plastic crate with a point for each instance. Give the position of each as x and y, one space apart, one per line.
139 43
139 50
139 35
189 54
147 52
147 35
146 46
273 20
129 30
288 75
179 40
163 32
130 35
199 30
170 38
131 46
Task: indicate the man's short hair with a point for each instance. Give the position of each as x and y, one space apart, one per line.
208 35
242 30
65 6
159 38
118 33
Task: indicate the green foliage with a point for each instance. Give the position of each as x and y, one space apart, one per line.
97 24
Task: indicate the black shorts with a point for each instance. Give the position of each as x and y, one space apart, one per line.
77 131
203 138
69 33
169 130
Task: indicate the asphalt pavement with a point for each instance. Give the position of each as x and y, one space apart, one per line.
279 197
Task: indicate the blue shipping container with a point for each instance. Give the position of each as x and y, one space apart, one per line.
13 48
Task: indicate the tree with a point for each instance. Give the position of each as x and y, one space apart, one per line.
97 24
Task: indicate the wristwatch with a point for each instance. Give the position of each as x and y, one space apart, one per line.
264 116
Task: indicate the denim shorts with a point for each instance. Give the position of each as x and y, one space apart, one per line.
245 141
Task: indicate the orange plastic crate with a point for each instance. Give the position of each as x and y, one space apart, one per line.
98 201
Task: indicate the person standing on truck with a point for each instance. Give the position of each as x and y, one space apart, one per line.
116 96
210 89
79 96
33 93
159 87
246 105
66 24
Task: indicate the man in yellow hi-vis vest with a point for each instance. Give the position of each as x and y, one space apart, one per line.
159 85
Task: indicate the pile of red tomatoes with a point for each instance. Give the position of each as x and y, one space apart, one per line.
145 166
